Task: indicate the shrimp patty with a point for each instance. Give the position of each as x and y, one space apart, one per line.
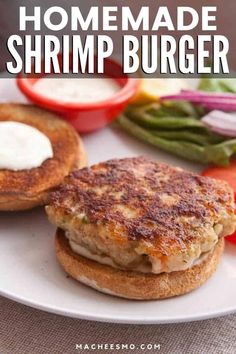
137 214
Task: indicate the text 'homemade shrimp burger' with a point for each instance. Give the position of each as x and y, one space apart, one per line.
139 229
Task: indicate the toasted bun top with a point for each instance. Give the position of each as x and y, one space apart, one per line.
66 146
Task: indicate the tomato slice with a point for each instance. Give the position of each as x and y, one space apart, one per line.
227 174
231 238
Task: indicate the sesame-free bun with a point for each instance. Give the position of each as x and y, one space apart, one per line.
130 284
25 189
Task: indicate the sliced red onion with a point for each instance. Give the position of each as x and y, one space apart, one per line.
203 94
218 95
219 106
200 99
225 102
221 123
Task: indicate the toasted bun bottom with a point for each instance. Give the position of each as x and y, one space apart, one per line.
130 284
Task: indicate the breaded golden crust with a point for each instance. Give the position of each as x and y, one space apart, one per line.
28 188
135 204
134 285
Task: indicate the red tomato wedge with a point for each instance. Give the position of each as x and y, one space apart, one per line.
227 174
231 238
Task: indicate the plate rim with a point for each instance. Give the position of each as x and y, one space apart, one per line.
114 319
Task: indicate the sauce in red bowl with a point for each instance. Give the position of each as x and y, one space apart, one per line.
92 114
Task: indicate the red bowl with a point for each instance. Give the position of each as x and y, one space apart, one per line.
85 117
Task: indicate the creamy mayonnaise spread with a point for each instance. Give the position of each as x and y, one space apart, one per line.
22 146
84 90
142 268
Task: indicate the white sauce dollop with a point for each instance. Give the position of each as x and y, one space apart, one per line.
22 146
83 90
142 268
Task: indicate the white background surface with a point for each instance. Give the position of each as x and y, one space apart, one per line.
30 273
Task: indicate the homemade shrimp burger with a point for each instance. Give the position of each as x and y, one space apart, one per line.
139 229
37 150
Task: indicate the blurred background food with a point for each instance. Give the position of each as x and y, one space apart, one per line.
152 89
163 113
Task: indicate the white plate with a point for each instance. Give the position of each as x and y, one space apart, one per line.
31 275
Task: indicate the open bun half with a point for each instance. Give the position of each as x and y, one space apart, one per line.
25 189
130 284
